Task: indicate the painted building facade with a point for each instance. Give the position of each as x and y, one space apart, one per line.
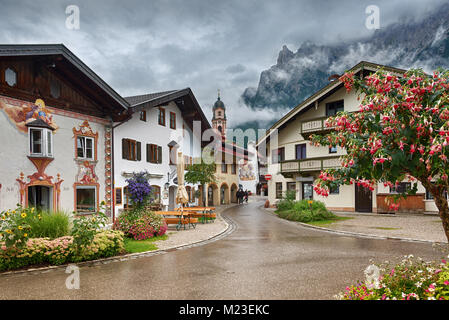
55 124
294 163
234 166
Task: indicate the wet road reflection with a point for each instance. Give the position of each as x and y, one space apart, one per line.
264 258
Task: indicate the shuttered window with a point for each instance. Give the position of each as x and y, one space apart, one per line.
131 150
172 120
161 118
154 153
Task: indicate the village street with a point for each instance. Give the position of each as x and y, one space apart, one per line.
264 258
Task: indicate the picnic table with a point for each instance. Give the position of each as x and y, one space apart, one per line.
179 218
207 213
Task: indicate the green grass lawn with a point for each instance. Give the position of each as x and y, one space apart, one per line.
385 228
324 223
134 246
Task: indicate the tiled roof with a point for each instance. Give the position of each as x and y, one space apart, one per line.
134 100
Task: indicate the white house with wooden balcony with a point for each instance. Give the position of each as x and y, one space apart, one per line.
294 163
159 125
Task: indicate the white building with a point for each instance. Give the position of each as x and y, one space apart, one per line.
294 164
55 127
159 124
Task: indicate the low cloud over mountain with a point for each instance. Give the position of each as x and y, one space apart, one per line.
297 75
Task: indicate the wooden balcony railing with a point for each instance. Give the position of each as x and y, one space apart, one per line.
309 165
313 126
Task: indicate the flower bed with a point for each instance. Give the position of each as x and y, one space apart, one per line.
140 225
412 279
61 250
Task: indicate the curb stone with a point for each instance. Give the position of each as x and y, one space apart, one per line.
229 228
355 234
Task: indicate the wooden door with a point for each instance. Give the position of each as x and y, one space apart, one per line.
363 199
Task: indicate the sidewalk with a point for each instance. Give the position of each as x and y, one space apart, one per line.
413 226
400 225
200 233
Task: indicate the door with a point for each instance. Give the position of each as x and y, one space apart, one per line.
363 199
307 190
40 197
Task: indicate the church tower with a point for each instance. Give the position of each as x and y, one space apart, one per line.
219 118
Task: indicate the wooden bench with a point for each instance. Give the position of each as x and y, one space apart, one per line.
206 214
178 218
181 221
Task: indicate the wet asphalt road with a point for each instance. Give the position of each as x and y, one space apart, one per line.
264 258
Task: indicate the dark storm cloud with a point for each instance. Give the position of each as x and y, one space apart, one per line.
148 46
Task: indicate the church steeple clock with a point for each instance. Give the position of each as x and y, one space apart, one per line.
219 118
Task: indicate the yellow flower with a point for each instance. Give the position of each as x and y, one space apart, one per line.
14 211
20 228
32 209
8 231
23 214
25 235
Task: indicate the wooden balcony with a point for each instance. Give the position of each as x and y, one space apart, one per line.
313 126
309 166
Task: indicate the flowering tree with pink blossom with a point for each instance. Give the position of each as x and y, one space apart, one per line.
401 132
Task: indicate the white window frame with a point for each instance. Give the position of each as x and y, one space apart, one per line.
85 148
95 198
44 146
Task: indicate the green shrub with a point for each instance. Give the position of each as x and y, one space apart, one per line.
47 224
86 227
304 211
287 202
61 250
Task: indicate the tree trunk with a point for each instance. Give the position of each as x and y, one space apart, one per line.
442 205
440 199
204 195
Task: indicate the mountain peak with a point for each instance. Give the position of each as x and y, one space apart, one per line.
422 43
285 55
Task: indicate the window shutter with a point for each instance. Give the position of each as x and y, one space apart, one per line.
148 153
139 151
159 154
124 148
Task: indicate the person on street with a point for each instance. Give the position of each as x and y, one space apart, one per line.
240 196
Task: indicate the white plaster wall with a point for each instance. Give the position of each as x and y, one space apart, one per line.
150 132
14 160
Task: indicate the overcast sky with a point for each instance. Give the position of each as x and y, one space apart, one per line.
156 45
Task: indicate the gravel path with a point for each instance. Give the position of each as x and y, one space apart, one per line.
189 236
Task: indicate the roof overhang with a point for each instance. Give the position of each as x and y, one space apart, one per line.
324 92
185 101
64 54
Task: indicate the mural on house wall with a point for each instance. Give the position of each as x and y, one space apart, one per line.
20 112
86 173
246 171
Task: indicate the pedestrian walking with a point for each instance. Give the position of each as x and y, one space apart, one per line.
240 195
245 197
